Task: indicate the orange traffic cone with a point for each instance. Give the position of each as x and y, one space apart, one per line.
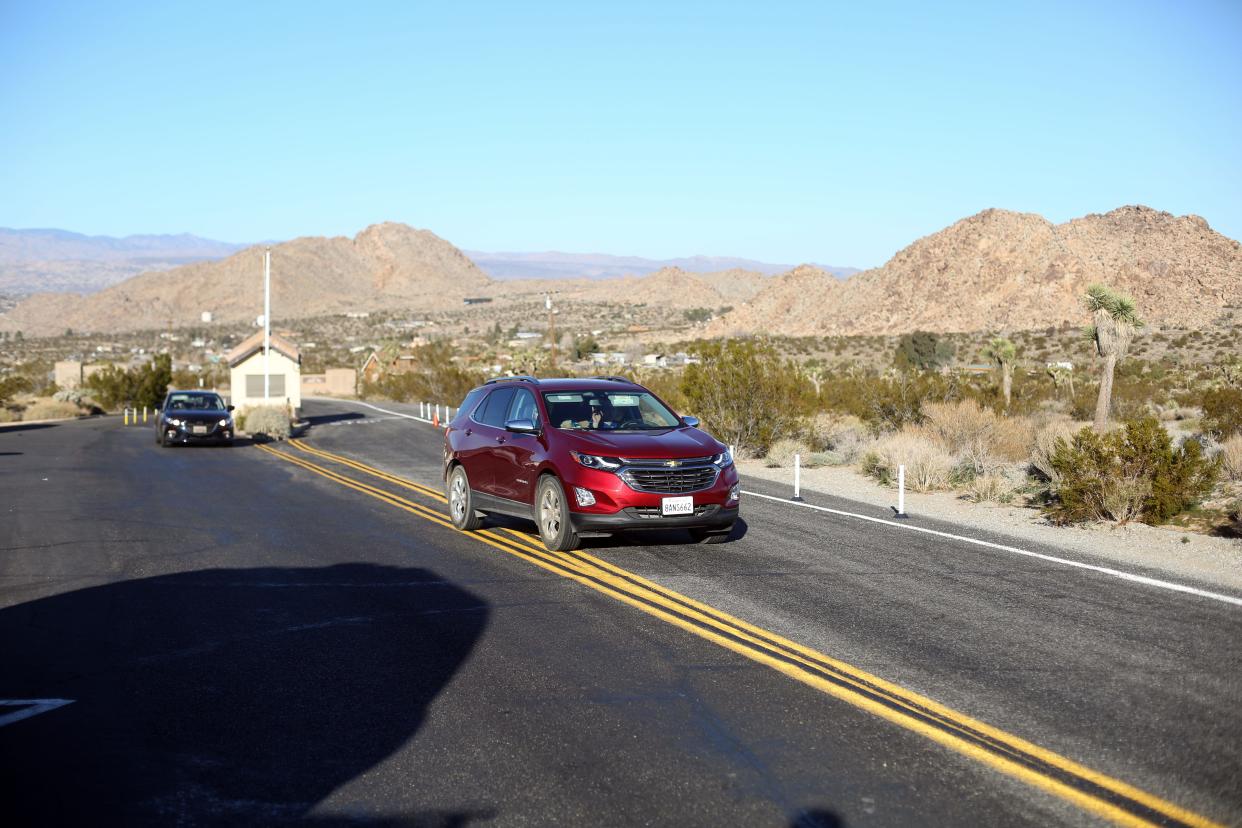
435 419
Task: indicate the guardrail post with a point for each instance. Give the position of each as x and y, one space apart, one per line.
798 478
901 492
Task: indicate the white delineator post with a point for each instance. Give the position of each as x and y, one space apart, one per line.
901 491
797 477
267 324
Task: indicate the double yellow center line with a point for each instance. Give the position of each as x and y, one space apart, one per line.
1051 772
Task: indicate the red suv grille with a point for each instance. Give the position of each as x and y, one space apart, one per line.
659 477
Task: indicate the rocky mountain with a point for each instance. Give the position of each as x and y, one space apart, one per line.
1000 270
553 265
995 270
58 260
385 265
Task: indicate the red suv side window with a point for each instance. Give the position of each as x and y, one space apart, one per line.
494 408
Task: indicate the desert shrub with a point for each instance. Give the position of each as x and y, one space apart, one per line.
269 420
50 410
928 466
1128 474
1044 444
892 404
922 351
989 488
746 395
71 395
1222 412
12 385
781 453
1231 457
964 430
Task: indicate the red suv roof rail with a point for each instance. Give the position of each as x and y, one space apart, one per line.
516 378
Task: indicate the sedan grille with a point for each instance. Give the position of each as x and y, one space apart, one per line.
665 480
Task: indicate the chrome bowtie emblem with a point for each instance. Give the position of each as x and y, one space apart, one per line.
672 464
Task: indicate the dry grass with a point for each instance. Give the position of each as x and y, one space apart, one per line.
781 453
979 438
1043 444
928 466
50 410
989 488
1231 457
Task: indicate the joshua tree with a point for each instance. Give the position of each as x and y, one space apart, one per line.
1115 324
1062 377
1003 353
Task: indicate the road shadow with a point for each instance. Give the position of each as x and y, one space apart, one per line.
226 696
5 429
816 818
323 419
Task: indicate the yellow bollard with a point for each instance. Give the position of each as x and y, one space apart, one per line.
125 414
144 415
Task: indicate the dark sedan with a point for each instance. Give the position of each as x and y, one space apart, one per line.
194 417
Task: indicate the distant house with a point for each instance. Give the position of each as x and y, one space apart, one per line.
476 300
246 366
67 374
377 366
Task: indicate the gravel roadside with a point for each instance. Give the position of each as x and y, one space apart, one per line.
1201 558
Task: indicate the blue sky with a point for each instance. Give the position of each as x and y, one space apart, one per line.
788 132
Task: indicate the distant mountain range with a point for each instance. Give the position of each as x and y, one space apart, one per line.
58 260
554 265
996 270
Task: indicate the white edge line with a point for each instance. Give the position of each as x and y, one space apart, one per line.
377 408
1116 573
36 707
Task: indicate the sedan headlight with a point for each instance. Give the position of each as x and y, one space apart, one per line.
174 421
223 423
725 458
593 461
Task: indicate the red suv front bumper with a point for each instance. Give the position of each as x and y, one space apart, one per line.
619 506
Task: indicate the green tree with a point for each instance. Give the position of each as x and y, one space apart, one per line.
1115 321
585 346
114 387
745 394
1003 354
922 351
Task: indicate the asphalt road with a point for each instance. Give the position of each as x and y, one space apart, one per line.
251 638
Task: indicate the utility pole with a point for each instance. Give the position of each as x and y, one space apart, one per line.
267 324
547 301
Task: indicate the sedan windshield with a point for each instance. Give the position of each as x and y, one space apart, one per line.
195 402
608 411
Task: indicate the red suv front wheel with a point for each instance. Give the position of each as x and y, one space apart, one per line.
552 515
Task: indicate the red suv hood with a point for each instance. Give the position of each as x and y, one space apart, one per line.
673 443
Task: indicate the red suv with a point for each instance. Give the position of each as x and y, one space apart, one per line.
585 457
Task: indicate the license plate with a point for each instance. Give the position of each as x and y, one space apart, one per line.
677 506
200 429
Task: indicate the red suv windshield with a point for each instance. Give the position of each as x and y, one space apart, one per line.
608 410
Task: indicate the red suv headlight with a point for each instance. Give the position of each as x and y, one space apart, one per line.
594 461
